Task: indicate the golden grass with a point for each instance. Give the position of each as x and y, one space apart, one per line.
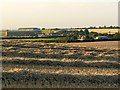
82 59
71 71
111 31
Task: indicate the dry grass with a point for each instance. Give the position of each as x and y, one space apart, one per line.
65 70
89 64
46 80
112 31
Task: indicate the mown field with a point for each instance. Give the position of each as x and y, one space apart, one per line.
60 65
112 31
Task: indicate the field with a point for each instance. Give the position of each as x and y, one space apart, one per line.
111 31
60 65
39 39
47 32
47 39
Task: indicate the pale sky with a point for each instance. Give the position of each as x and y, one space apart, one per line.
58 13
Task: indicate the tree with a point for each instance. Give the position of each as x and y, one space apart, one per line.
116 36
43 28
86 31
111 27
81 31
94 34
104 27
100 27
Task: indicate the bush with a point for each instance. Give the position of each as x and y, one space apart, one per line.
116 36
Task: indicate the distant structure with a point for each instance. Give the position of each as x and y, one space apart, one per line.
28 29
101 37
3 33
22 32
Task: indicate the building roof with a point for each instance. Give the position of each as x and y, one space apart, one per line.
28 28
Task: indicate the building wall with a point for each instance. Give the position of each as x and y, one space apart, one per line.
23 33
3 33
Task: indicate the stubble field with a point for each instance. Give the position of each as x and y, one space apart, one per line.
60 65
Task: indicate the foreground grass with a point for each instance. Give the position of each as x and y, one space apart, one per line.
46 80
57 65
60 69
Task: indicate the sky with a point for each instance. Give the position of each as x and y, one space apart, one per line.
58 13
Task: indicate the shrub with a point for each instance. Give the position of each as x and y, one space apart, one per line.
116 36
